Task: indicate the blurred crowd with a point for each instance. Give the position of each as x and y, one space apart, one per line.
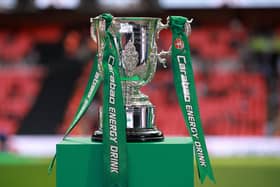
237 72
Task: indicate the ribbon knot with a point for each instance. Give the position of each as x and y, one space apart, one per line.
108 20
177 23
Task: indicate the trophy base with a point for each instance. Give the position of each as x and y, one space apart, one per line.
135 135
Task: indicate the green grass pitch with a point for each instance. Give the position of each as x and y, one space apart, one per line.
16 171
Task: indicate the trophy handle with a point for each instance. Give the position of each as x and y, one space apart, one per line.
162 55
97 33
97 28
93 28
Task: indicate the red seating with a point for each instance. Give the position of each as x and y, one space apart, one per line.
234 105
19 88
46 33
16 48
8 126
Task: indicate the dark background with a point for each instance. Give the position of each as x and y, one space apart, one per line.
46 55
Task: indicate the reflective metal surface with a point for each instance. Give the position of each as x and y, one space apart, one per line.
135 39
138 57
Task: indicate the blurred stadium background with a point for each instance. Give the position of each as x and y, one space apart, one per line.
45 58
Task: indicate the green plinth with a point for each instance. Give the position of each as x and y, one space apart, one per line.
158 164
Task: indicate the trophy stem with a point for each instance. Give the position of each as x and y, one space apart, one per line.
140 114
134 97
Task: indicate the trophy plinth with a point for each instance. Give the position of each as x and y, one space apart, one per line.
80 163
135 40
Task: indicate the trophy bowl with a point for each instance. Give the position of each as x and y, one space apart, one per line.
135 39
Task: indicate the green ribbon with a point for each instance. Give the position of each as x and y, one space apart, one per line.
186 93
114 118
89 93
91 89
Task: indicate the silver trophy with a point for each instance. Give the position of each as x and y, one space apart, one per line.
135 39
